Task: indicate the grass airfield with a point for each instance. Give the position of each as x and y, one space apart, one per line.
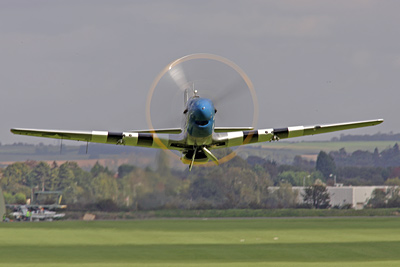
214 242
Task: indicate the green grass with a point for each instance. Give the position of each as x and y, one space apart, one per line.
235 213
231 213
220 242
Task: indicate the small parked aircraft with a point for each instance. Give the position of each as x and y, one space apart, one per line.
198 134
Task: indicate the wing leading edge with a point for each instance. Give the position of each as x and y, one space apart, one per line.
230 139
176 141
143 139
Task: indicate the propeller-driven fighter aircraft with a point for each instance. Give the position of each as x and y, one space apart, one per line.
197 136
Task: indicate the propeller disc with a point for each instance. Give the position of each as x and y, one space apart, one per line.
193 72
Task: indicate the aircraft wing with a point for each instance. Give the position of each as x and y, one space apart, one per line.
160 131
230 139
231 129
161 139
179 130
143 139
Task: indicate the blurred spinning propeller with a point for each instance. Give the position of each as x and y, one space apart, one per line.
214 77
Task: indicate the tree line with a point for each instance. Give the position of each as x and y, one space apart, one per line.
361 167
389 157
237 183
367 137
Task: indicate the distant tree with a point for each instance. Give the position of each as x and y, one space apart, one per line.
20 198
390 157
303 164
351 175
393 181
73 181
385 199
104 187
163 163
255 160
9 198
286 196
41 176
107 205
362 158
125 169
378 199
65 177
396 149
236 161
132 186
376 157
295 178
317 196
54 165
394 197
375 137
339 156
395 172
205 188
259 170
248 186
16 173
152 200
54 176
272 168
98 169
325 164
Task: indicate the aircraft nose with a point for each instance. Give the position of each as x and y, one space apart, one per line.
203 113
201 118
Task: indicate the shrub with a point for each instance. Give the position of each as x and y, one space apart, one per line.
106 205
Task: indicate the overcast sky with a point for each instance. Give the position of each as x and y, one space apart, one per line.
88 65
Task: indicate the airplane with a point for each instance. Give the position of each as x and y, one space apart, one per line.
198 134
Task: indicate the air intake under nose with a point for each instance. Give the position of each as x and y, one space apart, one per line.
201 123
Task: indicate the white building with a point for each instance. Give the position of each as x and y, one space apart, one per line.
356 196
